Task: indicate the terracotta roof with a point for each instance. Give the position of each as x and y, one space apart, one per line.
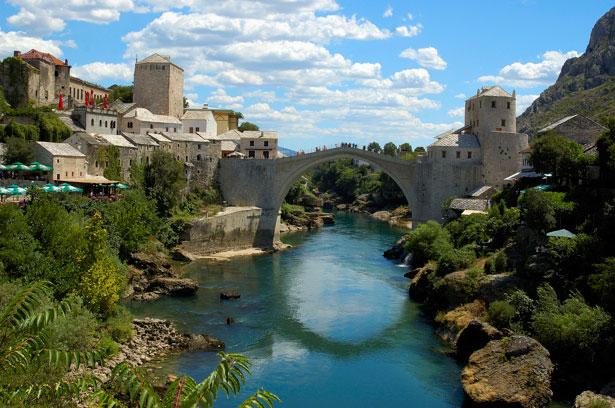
36 54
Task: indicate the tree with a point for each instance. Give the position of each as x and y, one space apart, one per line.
558 155
164 181
405 148
24 324
18 150
122 92
537 210
374 147
184 391
186 103
429 241
247 126
390 149
419 149
606 153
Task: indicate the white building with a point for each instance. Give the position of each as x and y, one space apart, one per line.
200 121
140 120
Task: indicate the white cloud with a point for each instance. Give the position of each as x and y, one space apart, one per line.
531 74
409 16
409 31
458 112
103 71
416 81
461 96
15 40
426 57
221 98
388 12
523 101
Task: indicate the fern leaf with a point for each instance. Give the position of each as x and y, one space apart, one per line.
133 380
24 304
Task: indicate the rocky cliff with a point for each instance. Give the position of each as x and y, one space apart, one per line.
586 84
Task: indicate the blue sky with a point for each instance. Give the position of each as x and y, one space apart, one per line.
319 71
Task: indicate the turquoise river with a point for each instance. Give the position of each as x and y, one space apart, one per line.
327 323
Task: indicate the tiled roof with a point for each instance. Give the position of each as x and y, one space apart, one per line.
184 137
197 114
140 139
228 146
71 123
155 58
117 140
256 134
229 135
36 54
590 149
158 137
61 149
89 84
491 91
121 107
556 124
146 116
469 204
482 191
463 140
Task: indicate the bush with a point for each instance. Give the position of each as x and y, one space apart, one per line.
76 331
468 230
501 314
455 260
497 263
119 324
108 346
427 242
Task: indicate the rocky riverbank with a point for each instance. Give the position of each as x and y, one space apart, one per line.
151 340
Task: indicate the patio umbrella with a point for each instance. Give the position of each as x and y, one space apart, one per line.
36 166
4 191
14 189
2 167
121 186
67 188
51 188
18 167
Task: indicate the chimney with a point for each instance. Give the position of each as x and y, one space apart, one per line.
16 53
205 106
66 62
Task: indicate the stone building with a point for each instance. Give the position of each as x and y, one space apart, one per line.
159 86
229 141
78 88
256 144
67 162
145 145
485 151
141 120
40 77
200 121
578 128
96 120
226 120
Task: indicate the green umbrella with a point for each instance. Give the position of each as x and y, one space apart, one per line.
14 189
36 166
4 191
51 188
67 188
18 166
121 186
3 167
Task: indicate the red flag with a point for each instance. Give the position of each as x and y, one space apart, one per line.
106 102
61 103
92 101
87 98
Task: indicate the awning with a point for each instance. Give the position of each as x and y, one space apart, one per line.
562 233
90 180
524 174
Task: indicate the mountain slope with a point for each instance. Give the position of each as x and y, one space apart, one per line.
586 84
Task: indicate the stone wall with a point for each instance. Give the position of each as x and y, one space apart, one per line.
234 228
19 81
501 156
159 88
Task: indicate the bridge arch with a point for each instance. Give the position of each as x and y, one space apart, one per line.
264 183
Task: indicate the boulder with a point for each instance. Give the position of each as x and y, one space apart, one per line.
397 251
203 342
152 264
420 286
341 207
511 372
229 294
327 219
146 297
474 337
451 323
382 215
174 286
588 399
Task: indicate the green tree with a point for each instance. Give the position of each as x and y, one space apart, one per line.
374 147
537 210
109 158
247 126
419 149
18 150
602 283
558 155
606 153
390 149
19 251
186 103
123 92
164 181
184 391
429 241
405 148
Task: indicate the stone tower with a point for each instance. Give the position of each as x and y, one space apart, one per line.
159 86
491 116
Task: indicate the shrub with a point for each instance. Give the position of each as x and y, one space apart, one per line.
500 261
119 324
455 260
427 242
78 330
501 314
108 346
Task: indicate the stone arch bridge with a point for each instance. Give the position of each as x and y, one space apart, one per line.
265 183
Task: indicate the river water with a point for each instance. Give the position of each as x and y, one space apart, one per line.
327 323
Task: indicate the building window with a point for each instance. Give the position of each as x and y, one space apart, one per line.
477 121
507 105
186 158
129 124
57 160
458 155
130 162
266 143
151 125
167 128
197 129
175 130
198 157
96 164
480 104
92 122
444 154
105 123
251 142
100 123
198 146
266 154
191 130
469 155
72 174
503 122
493 104
251 154
58 176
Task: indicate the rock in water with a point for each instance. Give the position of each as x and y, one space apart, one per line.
228 294
588 399
511 372
474 337
174 286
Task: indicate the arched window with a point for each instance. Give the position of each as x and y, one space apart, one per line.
105 123
198 157
92 121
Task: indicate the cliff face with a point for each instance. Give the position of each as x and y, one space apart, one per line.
586 84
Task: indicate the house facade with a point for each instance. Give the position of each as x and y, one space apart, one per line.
257 144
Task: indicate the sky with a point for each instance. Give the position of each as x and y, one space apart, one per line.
318 71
